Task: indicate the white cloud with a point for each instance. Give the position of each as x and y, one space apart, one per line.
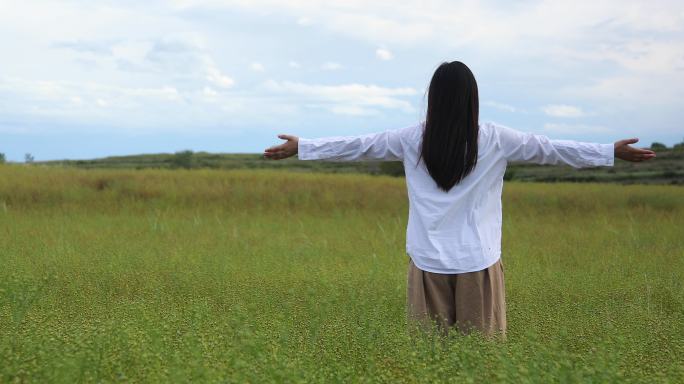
331 66
131 51
456 22
304 21
501 106
640 55
562 110
576 129
352 110
217 78
612 55
628 92
74 100
384 54
566 39
354 99
257 67
209 92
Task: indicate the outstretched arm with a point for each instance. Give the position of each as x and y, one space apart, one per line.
375 146
539 149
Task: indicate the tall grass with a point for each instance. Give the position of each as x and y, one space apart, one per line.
265 276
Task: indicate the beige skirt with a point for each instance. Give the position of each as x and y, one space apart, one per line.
465 301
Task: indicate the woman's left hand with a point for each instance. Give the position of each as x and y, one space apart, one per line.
626 152
285 150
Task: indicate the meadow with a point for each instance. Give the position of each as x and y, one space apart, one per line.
272 276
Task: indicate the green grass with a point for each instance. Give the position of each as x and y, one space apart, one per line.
270 276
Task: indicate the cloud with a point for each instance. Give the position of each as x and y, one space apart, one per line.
134 51
352 99
304 21
562 110
580 43
628 92
210 92
384 54
56 102
331 66
82 46
257 67
39 106
56 92
577 129
171 57
217 78
458 22
182 61
501 106
352 110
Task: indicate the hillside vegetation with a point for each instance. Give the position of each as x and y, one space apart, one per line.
667 168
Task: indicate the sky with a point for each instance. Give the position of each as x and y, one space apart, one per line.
85 79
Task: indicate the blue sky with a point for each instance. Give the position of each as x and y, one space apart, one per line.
85 79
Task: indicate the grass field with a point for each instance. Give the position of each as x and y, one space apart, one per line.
269 276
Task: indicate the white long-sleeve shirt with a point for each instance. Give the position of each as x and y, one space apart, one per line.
460 230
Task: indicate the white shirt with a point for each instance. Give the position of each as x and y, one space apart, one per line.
457 231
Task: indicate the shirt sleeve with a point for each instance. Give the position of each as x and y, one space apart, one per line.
539 149
386 146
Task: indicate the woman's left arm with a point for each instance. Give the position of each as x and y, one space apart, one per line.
385 146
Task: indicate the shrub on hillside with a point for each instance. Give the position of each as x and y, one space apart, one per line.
678 146
182 159
392 168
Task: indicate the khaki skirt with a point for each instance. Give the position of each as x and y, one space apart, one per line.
473 301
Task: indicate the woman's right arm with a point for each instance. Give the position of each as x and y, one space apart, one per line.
539 149
382 146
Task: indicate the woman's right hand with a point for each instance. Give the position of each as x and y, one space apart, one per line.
626 152
285 150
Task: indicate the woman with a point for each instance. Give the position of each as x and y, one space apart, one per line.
454 169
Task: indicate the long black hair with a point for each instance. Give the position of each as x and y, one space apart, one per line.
449 147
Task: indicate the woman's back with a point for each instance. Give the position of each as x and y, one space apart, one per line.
459 230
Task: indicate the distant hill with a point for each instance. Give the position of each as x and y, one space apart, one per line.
666 168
